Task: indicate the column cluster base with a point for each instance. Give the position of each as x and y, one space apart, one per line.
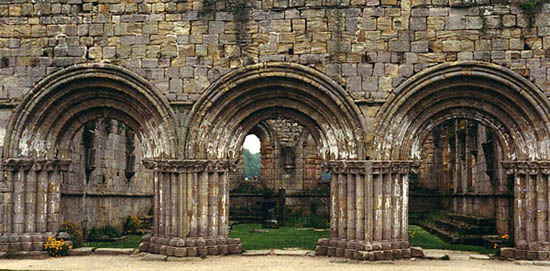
190 247
520 254
362 250
28 241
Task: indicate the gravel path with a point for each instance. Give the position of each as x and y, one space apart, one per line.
264 263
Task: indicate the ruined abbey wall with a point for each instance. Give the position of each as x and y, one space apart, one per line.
370 48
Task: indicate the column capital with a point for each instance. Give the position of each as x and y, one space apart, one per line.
527 167
27 164
370 166
190 166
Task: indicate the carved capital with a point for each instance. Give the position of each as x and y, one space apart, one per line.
526 167
27 164
18 164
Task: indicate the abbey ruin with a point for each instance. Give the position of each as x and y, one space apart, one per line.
110 108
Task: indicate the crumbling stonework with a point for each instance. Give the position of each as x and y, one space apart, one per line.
368 80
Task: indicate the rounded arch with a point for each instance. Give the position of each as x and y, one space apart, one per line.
48 117
234 104
490 94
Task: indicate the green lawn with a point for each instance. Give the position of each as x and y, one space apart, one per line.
287 237
284 237
132 242
418 237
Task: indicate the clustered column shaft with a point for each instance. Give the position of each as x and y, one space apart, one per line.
30 211
191 203
368 210
531 209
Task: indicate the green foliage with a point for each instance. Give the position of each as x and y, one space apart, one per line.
244 187
131 225
300 220
251 164
107 231
284 237
132 242
418 237
75 232
530 7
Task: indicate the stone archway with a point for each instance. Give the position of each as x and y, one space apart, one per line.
40 131
224 115
498 98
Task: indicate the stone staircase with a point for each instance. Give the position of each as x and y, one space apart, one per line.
461 229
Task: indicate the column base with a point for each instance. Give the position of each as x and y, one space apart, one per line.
190 247
520 254
11 243
363 250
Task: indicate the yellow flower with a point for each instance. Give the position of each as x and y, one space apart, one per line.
505 237
495 246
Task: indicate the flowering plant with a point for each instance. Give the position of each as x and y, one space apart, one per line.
57 248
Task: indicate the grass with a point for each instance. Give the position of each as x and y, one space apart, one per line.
418 237
132 242
284 237
306 238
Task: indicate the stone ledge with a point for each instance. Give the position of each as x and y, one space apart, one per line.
81 251
190 247
363 250
113 251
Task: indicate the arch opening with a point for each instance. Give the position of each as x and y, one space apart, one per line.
472 126
82 132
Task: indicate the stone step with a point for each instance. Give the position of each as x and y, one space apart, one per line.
463 228
472 220
454 238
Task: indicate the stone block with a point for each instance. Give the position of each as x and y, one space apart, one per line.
508 252
417 252
223 249
180 252
212 250
349 253
321 250
170 250
192 252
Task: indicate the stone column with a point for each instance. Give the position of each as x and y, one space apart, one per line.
30 208
531 209
191 202
369 203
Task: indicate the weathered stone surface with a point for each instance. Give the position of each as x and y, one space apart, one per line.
154 258
113 251
165 61
479 257
81 251
256 252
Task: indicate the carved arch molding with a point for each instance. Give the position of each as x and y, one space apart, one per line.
192 161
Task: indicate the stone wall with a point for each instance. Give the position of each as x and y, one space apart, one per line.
102 189
370 46
353 56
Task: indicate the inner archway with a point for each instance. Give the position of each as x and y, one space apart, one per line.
512 108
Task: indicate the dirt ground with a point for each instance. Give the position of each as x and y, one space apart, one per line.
241 263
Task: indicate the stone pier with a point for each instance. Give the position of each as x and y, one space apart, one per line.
31 211
368 210
191 209
531 209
